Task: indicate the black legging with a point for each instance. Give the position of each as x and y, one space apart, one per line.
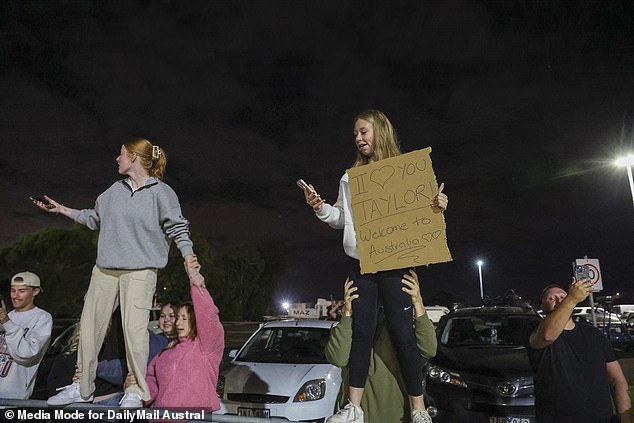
397 304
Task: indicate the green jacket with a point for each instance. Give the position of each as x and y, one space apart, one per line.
385 399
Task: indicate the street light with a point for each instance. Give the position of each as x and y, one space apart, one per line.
628 162
480 263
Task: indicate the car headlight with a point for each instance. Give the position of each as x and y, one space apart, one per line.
440 375
311 391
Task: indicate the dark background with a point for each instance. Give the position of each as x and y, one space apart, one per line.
525 103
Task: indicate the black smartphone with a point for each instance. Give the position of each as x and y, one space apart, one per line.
43 200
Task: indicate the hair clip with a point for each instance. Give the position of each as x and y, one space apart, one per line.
156 151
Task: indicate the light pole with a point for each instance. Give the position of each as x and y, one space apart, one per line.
479 263
628 162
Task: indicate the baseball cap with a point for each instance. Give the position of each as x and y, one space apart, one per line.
26 278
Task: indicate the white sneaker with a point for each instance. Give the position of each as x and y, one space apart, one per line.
67 395
131 400
349 414
421 416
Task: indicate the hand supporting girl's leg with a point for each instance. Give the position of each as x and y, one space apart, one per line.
400 322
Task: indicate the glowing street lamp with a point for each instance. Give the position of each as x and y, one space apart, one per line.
480 263
286 306
628 162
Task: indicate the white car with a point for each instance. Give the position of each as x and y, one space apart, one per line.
281 372
599 313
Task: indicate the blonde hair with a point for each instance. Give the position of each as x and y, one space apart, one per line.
386 143
153 158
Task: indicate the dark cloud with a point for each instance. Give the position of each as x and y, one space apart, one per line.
522 102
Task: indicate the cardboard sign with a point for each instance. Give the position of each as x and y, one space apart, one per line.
395 225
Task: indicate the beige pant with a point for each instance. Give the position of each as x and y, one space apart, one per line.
133 290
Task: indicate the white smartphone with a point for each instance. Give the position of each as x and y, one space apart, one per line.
303 185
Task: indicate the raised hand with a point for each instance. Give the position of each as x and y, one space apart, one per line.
196 279
52 206
191 263
580 289
412 288
440 200
4 316
348 297
312 198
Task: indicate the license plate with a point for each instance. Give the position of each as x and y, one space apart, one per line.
509 419
254 412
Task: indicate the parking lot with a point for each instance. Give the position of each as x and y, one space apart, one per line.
236 333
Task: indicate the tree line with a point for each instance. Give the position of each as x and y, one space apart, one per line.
241 280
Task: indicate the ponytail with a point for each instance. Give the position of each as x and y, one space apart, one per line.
153 157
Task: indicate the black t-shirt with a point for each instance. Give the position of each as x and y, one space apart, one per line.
571 379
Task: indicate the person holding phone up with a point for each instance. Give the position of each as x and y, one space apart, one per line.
575 365
375 139
137 218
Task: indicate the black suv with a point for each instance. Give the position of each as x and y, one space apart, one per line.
481 372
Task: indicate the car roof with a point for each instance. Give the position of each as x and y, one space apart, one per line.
470 311
303 323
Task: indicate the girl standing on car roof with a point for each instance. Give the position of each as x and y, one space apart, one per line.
137 218
375 139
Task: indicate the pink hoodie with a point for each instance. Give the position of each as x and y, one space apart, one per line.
185 376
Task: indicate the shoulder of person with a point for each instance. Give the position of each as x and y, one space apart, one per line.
43 316
35 311
164 191
45 313
589 329
117 186
162 186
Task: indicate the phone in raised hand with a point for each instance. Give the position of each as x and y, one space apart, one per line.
303 185
581 272
44 201
40 199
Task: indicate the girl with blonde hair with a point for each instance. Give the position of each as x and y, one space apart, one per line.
375 139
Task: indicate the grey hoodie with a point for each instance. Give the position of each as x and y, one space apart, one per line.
136 227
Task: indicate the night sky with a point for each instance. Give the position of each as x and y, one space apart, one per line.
525 104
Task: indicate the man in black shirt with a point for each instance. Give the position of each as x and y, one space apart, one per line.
574 364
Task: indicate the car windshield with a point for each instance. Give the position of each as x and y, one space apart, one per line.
485 330
293 345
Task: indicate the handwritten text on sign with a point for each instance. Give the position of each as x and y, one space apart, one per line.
395 225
